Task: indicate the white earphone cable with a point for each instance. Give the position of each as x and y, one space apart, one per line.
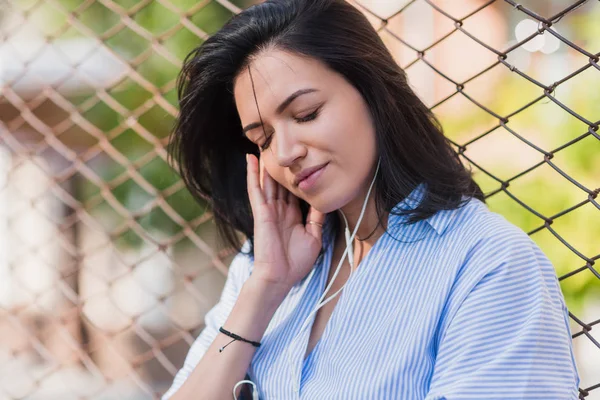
350 259
349 246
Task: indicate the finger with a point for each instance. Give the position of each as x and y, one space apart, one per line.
269 185
293 205
281 192
317 217
280 195
260 175
285 196
255 193
293 200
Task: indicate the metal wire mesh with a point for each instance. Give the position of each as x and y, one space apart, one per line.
107 266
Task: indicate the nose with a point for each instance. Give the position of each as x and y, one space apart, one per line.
287 147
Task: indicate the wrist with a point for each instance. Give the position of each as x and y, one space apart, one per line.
254 309
269 294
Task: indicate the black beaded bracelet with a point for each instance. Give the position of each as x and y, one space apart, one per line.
236 337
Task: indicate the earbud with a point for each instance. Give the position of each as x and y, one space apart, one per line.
254 390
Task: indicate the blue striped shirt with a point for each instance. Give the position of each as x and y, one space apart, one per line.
462 305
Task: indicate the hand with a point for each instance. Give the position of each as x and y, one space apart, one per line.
285 249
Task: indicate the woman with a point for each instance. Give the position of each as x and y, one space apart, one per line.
302 132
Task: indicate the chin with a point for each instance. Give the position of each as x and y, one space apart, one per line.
326 203
319 204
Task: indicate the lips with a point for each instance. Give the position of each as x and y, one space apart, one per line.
305 173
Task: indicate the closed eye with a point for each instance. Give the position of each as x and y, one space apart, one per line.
310 117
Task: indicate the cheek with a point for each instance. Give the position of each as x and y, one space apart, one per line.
353 140
348 124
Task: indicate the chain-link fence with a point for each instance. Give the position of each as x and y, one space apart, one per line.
107 265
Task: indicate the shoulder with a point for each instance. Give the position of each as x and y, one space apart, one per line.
499 265
494 249
492 231
475 225
480 241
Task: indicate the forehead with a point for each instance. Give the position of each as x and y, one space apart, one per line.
275 74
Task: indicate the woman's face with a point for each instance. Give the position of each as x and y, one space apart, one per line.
311 116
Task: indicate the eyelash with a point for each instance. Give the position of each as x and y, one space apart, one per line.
310 117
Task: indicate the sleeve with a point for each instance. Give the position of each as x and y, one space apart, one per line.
505 331
239 271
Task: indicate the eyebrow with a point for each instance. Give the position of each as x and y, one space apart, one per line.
281 107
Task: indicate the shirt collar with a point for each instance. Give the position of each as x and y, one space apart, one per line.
439 221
